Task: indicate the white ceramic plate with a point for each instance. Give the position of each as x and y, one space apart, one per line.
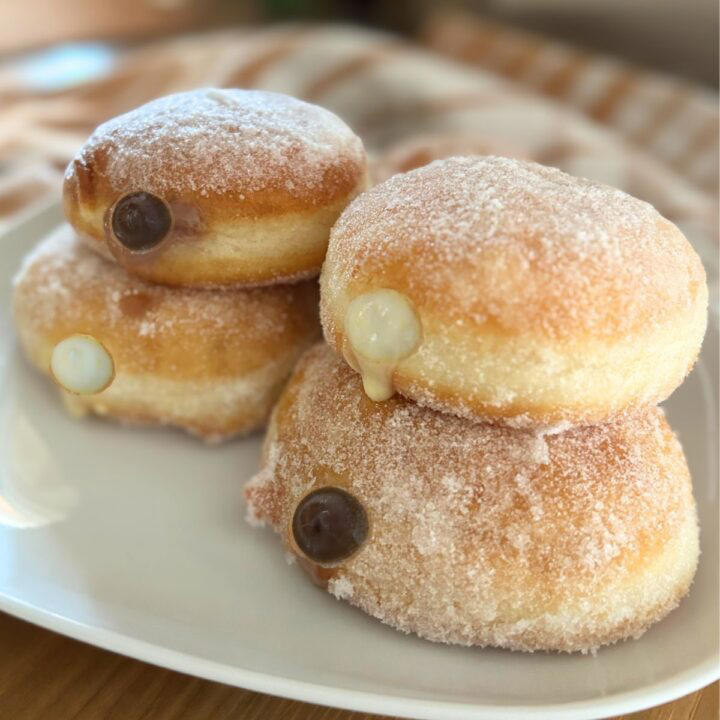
134 540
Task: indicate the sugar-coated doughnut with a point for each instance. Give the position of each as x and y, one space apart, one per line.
539 298
216 187
473 533
209 361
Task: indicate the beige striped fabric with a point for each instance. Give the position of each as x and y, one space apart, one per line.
391 92
673 120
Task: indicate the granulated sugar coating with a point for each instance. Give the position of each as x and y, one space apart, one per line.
483 535
210 361
251 183
542 298
490 240
227 141
69 281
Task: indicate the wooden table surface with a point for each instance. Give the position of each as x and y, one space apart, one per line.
44 675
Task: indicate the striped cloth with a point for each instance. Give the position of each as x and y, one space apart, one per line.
673 120
394 94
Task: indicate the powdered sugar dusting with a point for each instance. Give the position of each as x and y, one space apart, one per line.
463 514
215 141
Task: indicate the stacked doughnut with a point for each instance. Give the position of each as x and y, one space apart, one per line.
182 291
476 455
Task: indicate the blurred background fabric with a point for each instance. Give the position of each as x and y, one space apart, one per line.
673 119
451 78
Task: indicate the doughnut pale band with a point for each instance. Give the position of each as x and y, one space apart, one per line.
214 410
483 534
248 252
531 380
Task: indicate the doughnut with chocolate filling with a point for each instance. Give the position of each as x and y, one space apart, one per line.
215 187
477 534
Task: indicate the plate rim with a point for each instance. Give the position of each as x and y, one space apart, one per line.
648 696
678 685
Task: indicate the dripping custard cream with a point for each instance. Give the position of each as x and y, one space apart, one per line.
382 329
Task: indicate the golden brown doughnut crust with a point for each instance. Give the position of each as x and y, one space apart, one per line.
479 534
210 361
253 179
543 298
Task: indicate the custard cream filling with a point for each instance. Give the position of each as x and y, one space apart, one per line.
382 329
81 365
